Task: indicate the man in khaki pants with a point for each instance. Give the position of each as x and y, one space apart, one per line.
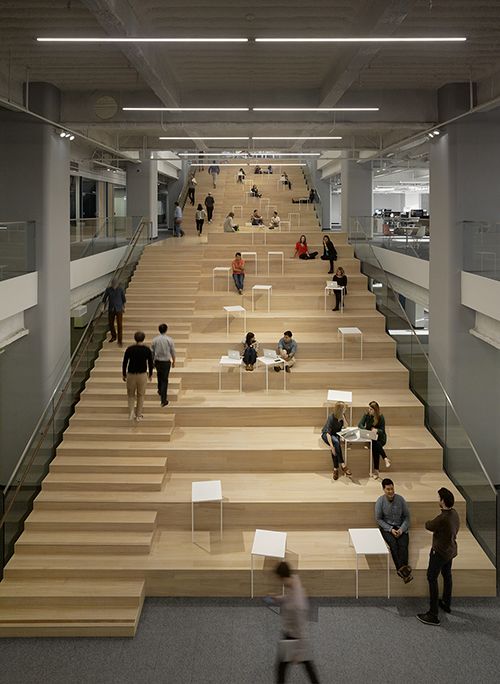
137 368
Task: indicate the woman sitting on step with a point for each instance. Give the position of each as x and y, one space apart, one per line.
341 279
374 421
330 436
302 250
249 354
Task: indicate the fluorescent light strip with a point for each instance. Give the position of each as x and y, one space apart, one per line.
213 154
315 109
185 109
142 40
455 39
294 137
241 164
285 154
202 138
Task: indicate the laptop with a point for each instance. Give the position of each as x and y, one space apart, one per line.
233 354
271 354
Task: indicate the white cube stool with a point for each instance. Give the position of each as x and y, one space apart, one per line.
268 288
210 490
369 542
332 396
218 270
267 543
235 310
351 331
253 255
278 254
228 362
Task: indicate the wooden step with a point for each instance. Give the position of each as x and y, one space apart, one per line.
117 391
99 464
117 420
116 449
91 403
144 482
91 520
134 432
75 541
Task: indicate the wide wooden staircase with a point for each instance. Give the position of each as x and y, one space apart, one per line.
112 523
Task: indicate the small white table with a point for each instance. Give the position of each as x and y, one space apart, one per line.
253 255
240 207
269 289
369 542
264 229
286 223
290 218
266 361
333 396
350 331
331 286
358 439
228 362
267 543
278 254
235 310
219 270
210 490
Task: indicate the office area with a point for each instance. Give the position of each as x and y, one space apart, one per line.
133 165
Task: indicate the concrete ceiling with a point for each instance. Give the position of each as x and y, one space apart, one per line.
401 79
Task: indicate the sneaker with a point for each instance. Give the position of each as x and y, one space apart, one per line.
335 473
139 418
131 415
288 369
163 403
404 571
428 619
112 339
408 579
277 369
444 607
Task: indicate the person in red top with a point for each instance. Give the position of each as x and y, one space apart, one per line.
238 265
302 250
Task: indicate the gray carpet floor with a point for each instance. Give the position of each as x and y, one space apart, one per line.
233 641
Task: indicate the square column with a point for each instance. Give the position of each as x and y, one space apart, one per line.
142 191
356 196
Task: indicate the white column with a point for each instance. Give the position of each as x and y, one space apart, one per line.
356 195
142 190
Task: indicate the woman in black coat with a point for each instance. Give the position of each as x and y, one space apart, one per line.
341 279
329 252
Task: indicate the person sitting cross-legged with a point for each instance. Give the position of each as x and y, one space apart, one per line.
287 348
393 518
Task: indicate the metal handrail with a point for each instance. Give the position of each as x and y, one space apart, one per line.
65 380
404 315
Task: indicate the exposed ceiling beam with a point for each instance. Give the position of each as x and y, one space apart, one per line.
381 18
119 19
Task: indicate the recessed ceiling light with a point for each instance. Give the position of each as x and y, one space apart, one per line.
315 109
295 137
190 137
71 137
141 40
430 39
185 109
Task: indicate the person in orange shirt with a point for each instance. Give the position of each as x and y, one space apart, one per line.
238 265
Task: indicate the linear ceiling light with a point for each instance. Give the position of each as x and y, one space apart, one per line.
141 40
285 154
315 109
223 164
213 154
294 137
223 137
430 39
185 109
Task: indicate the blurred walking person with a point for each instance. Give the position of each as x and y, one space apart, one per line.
115 298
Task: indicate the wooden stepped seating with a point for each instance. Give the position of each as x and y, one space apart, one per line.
115 389
77 541
132 432
92 520
108 464
119 420
388 373
287 409
150 481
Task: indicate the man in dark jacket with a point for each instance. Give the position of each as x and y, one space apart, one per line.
444 530
115 298
209 204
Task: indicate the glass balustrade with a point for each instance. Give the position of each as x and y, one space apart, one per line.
481 248
17 248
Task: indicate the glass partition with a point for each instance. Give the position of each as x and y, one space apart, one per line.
92 236
461 461
409 236
481 248
24 484
17 248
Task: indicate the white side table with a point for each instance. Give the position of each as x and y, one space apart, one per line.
358 439
332 287
240 207
268 288
286 223
267 362
351 331
228 362
264 229
218 270
369 542
210 490
294 213
266 543
278 254
235 310
333 396
253 255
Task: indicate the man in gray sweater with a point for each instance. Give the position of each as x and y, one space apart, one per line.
393 518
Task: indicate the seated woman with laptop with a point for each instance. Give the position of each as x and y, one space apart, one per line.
249 353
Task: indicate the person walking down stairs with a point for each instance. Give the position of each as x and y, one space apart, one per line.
214 171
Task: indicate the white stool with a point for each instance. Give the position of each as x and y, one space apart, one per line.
240 207
263 228
351 331
369 542
267 362
286 223
280 254
235 310
333 396
228 362
359 437
267 543
331 286
251 254
269 289
217 271
290 219
210 490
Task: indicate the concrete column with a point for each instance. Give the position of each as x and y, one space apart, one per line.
356 196
142 191
34 177
464 163
322 187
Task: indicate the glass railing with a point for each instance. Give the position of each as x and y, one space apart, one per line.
33 464
17 248
481 248
93 236
409 236
461 460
